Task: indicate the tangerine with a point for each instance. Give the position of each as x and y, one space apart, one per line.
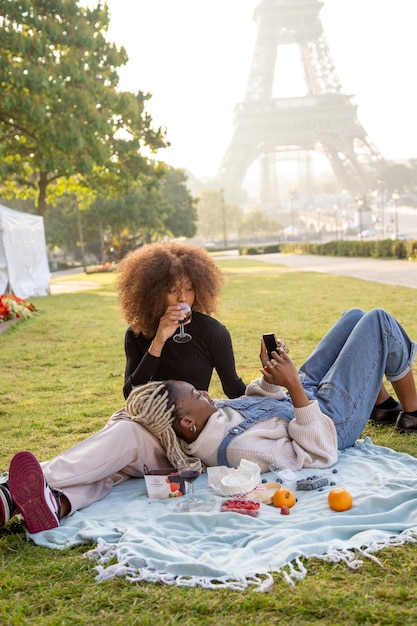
339 499
284 497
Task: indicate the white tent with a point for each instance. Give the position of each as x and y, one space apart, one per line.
24 268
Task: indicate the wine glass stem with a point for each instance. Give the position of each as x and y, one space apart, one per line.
190 491
181 330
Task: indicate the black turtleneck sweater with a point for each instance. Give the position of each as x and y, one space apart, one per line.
210 348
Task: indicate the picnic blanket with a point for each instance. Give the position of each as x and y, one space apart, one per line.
145 539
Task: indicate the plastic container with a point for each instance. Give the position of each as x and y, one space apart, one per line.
164 483
245 507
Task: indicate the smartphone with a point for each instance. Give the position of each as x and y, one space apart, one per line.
270 343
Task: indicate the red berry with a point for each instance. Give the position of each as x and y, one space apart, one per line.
285 510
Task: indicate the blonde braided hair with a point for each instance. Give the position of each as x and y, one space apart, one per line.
152 405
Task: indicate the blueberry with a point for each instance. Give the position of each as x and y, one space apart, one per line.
264 480
334 471
332 483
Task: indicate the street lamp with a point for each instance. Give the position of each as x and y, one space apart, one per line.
292 194
223 218
395 198
336 213
359 208
381 183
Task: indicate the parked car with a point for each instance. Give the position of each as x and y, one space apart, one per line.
402 236
368 233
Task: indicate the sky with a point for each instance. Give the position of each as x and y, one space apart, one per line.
194 57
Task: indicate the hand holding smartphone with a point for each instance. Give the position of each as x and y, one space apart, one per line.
270 344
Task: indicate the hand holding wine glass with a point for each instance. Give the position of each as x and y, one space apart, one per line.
182 336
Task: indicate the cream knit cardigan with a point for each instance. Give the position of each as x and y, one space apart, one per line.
309 440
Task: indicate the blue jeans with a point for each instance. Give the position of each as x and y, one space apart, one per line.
346 369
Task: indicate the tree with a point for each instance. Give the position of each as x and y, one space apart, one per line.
397 176
146 212
257 224
180 205
216 218
60 112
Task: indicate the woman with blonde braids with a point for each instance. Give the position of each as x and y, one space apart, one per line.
324 411
156 407
152 282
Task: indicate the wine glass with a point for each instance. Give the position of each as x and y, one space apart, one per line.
190 469
183 337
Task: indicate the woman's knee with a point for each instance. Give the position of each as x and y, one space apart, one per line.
133 431
353 314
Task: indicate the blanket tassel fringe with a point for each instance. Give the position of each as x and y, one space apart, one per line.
104 552
350 557
292 572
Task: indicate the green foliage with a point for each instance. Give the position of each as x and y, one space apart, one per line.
256 224
378 248
181 206
62 377
251 250
400 250
60 112
216 217
399 175
153 208
271 249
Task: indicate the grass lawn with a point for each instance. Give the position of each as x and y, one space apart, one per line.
61 379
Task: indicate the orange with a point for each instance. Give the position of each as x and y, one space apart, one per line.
284 497
339 499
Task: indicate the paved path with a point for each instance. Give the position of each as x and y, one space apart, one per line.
70 286
403 273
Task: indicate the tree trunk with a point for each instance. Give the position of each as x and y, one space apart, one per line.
42 184
80 235
102 246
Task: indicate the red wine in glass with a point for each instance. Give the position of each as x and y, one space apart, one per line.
189 475
182 336
190 469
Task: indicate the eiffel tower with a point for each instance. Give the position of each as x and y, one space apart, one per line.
323 121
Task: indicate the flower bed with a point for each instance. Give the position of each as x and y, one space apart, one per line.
104 267
13 308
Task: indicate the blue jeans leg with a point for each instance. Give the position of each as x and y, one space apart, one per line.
350 374
327 350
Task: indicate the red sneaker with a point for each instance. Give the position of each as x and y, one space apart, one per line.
34 499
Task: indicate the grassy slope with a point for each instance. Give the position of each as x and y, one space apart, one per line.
61 378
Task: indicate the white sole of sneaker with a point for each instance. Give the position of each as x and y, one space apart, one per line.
31 494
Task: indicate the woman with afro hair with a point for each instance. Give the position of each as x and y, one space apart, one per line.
152 282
